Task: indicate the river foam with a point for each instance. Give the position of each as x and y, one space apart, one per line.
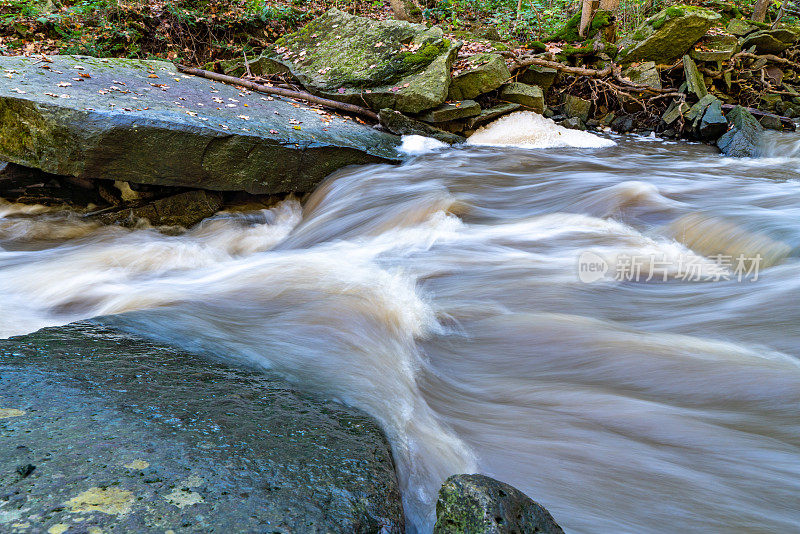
526 129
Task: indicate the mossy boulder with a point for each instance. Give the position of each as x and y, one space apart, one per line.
489 114
383 63
743 140
480 74
145 123
529 96
577 107
668 35
644 74
408 10
477 504
694 78
770 41
742 27
544 77
715 48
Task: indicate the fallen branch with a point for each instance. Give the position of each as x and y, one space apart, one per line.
297 95
768 57
611 70
578 71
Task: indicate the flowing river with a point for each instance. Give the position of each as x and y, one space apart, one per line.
656 390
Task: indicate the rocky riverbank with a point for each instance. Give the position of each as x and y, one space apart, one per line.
130 140
682 73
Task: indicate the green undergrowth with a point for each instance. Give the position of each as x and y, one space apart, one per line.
190 30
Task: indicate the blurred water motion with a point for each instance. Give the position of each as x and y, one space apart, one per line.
443 298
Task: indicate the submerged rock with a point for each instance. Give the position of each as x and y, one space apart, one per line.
143 122
383 63
743 140
132 436
477 504
184 209
668 35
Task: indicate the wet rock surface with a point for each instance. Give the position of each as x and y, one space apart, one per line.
143 122
743 140
478 504
102 430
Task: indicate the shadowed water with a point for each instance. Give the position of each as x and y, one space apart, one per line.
443 298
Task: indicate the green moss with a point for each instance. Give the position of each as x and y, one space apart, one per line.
601 19
656 24
570 51
569 32
674 12
537 46
639 35
426 54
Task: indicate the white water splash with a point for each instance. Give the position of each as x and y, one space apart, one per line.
415 145
526 129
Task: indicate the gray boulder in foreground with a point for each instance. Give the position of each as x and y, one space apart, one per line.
143 122
103 430
477 504
743 140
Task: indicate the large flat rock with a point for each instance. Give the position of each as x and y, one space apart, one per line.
383 63
143 122
103 430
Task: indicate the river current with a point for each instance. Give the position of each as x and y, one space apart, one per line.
610 324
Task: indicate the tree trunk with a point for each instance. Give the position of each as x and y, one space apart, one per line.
760 11
609 5
588 10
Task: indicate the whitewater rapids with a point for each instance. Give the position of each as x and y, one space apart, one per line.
443 298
